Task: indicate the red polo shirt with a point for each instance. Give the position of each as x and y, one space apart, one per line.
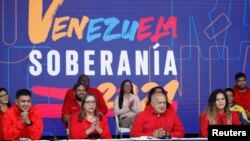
242 98
147 121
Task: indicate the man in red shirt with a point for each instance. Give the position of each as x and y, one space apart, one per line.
70 105
22 120
242 92
157 120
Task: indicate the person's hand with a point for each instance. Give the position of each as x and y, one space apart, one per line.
97 127
95 123
91 128
131 104
159 133
25 117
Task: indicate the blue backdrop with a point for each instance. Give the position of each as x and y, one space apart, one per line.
189 47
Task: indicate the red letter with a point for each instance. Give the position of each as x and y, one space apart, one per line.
171 23
143 27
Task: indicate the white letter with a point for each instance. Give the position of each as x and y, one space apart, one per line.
244 133
170 64
37 68
106 60
72 66
123 64
88 62
156 63
53 55
214 131
141 63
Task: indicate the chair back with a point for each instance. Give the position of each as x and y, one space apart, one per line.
120 129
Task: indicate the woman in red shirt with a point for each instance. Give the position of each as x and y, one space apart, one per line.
89 124
4 105
217 113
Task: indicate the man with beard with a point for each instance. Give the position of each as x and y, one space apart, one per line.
242 92
84 80
22 120
74 105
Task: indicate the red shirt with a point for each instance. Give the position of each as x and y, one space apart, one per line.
77 129
147 121
14 128
1 125
242 98
71 106
221 119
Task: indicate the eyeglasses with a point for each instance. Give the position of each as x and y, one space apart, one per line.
161 102
90 102
127 85
4 95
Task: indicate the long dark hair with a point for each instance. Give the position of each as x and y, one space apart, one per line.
82 114
212 110
152 92
120 102
3 89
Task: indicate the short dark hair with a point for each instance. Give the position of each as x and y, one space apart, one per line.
77 85
229 89
23 92
80 77
3 89
240 74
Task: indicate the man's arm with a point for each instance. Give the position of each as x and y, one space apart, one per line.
178 130
137 128
66 105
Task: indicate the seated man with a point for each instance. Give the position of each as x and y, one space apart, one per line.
157 120
70 97
242 92
22 120
74 105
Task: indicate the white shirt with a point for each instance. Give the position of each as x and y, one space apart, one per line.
125 111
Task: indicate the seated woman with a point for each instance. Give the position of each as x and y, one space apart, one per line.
127 104
217 112
4 105
88 124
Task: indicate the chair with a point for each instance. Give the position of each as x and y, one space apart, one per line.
119 129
